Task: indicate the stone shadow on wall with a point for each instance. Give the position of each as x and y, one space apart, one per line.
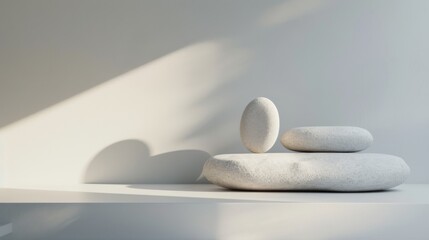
130 162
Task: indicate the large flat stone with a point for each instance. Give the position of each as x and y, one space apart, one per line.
307 171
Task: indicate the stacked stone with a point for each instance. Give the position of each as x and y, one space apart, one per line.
326 158
327 139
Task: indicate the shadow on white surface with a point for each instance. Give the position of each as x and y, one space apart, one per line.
146 105
130 162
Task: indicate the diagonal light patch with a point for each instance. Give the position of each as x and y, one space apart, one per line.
158 103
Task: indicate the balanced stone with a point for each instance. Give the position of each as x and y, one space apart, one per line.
259 126
347 172
327 139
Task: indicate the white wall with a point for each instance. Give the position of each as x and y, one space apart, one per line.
145 91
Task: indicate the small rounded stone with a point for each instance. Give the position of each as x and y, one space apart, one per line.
259 126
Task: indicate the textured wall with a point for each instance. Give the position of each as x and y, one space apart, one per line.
145 91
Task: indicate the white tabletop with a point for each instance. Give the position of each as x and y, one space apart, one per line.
200 193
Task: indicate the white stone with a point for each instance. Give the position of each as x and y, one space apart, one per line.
327 139
307 171
259 126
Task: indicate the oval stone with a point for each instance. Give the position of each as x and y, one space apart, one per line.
347 172
327 139
259 126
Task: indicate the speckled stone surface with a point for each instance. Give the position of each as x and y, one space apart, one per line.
259 126
307 171
327 139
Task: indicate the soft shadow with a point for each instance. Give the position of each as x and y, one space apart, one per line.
215 188
315 191
193 188
130 162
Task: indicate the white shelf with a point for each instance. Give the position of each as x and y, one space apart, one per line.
5 229
210 212
200 193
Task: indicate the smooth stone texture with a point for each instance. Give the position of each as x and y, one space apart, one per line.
327 139
347 172
259 126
